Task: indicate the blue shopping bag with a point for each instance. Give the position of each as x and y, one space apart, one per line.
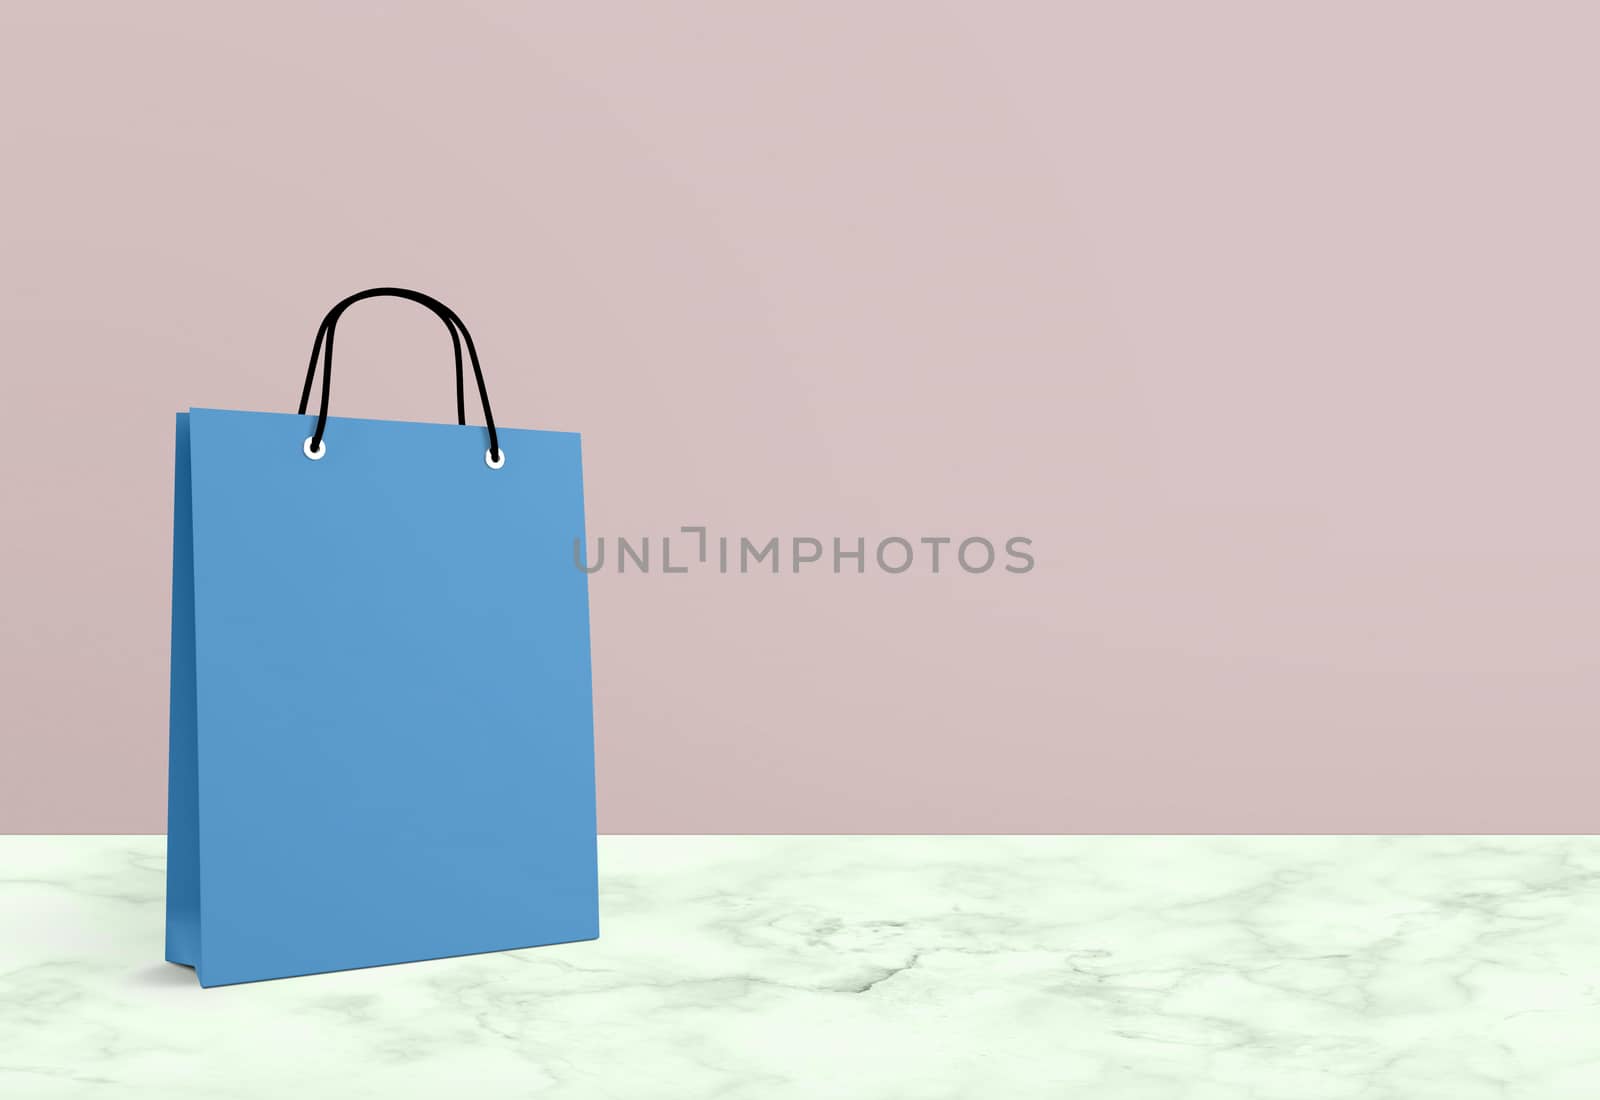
382 742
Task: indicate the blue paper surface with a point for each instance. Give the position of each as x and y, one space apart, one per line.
382 743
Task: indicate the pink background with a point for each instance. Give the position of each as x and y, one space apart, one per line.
1273 325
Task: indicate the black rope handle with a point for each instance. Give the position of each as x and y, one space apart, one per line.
455 343
323 345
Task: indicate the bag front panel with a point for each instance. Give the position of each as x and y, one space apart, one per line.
395 728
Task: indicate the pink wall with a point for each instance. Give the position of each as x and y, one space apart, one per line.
1272 325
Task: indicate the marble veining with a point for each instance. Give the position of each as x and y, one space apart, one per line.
1112 968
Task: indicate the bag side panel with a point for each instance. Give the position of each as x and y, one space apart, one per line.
183 788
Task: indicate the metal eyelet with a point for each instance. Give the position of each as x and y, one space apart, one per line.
322 449
488 459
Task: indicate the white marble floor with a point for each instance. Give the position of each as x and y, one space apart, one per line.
836 967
